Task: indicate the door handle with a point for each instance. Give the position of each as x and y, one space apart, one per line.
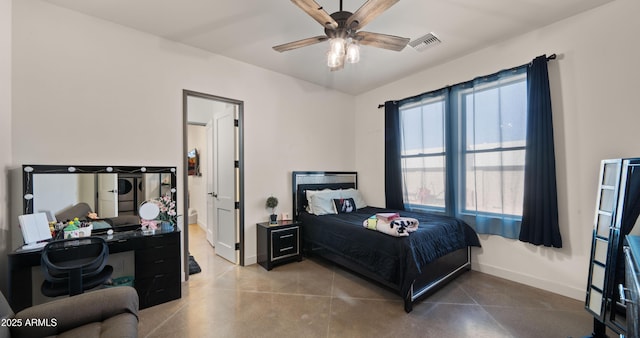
623 296
213 194
113 191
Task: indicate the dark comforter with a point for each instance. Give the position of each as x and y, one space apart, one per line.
396 260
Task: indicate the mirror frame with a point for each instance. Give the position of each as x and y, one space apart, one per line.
28 170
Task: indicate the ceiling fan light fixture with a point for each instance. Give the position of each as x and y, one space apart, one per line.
342 30
353 52
338 46
334 60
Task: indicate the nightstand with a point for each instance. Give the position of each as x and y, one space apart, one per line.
279 243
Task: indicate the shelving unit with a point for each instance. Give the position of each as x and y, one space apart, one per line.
603 231
615 216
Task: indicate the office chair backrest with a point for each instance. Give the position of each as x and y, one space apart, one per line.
73 265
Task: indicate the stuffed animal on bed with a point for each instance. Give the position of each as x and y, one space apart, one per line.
398 227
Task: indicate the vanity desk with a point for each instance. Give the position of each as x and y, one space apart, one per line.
114 193
157 267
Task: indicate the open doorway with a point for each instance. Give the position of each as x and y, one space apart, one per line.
213 175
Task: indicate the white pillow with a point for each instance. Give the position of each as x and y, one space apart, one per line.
321 202
355 194
309 194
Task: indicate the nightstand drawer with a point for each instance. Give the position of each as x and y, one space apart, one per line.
284 243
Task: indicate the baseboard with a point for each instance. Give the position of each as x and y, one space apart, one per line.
547 285
250 260
203 227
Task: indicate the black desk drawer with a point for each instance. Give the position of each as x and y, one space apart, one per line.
158 289
159 267
154 255
122 245
284 243
162 241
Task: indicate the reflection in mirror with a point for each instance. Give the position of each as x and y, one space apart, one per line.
110 192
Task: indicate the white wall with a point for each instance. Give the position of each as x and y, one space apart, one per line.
5 136
86 91
594 93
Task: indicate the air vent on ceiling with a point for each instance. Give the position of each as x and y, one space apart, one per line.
424 42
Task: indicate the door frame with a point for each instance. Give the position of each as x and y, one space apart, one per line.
239 179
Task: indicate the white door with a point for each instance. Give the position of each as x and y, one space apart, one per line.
107 195
224 141
211 217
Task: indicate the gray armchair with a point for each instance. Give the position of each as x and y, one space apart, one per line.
111 312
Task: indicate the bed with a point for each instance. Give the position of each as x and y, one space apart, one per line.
413 266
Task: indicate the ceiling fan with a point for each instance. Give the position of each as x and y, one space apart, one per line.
341 29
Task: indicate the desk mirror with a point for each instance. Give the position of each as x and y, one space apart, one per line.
112 192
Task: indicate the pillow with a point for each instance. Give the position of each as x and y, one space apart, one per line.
355 194
321 202
310 193
344 205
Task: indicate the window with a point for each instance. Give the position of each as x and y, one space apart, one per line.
494 139
463 149
422 128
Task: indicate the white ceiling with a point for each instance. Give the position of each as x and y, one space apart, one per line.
246 30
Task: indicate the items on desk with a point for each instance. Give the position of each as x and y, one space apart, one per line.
71 229
77 229
35 229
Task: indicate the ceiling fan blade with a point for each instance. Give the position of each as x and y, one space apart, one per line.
368 12
300 43
317 12
385 41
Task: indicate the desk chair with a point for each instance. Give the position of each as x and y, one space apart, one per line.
73 265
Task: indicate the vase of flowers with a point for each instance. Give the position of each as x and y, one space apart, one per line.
167 215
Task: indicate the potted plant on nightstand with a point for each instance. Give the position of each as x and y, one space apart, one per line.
272 203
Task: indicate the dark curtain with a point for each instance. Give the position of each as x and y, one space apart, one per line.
392 162
540 206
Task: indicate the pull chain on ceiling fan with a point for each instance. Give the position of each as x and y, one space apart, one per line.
341 29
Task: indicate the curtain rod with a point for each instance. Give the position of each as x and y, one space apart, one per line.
550 57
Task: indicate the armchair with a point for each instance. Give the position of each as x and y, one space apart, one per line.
111 312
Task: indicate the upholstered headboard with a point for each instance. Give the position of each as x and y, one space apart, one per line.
318 180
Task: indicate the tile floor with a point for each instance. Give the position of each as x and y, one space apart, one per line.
313 298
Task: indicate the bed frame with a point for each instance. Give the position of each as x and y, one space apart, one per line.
435 275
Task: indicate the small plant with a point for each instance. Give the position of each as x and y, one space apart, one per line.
272 203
